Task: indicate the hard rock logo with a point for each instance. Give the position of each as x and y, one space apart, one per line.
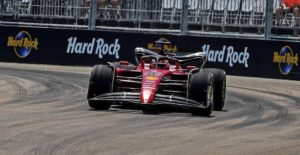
22 44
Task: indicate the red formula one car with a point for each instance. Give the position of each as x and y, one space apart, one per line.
159 80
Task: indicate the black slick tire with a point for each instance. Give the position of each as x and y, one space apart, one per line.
220 87
201 88
100 82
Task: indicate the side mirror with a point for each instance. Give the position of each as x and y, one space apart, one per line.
191 67
124 63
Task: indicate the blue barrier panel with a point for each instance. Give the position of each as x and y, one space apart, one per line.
244 57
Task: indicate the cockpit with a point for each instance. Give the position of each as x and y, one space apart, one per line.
158 62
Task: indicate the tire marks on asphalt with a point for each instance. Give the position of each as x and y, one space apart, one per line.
51 116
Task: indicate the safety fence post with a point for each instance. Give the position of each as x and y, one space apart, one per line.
184 17
93 15
269 19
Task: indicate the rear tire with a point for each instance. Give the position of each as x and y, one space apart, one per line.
220 87
100 82
201 90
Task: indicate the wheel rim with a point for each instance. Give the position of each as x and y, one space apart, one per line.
210 95
223 90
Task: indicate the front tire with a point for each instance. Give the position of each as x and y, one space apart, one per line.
201 89
100 82
220 87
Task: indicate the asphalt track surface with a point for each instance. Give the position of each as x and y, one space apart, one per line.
43 110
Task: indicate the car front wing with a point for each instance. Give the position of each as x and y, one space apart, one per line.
160 99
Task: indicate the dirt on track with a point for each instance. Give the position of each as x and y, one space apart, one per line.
43 110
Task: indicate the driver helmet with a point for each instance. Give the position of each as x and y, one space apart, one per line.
163 64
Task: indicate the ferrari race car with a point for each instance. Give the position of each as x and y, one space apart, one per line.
159 80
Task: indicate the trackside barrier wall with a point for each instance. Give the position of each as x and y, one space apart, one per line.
243 57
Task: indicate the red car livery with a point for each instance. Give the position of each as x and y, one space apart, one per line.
167 80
